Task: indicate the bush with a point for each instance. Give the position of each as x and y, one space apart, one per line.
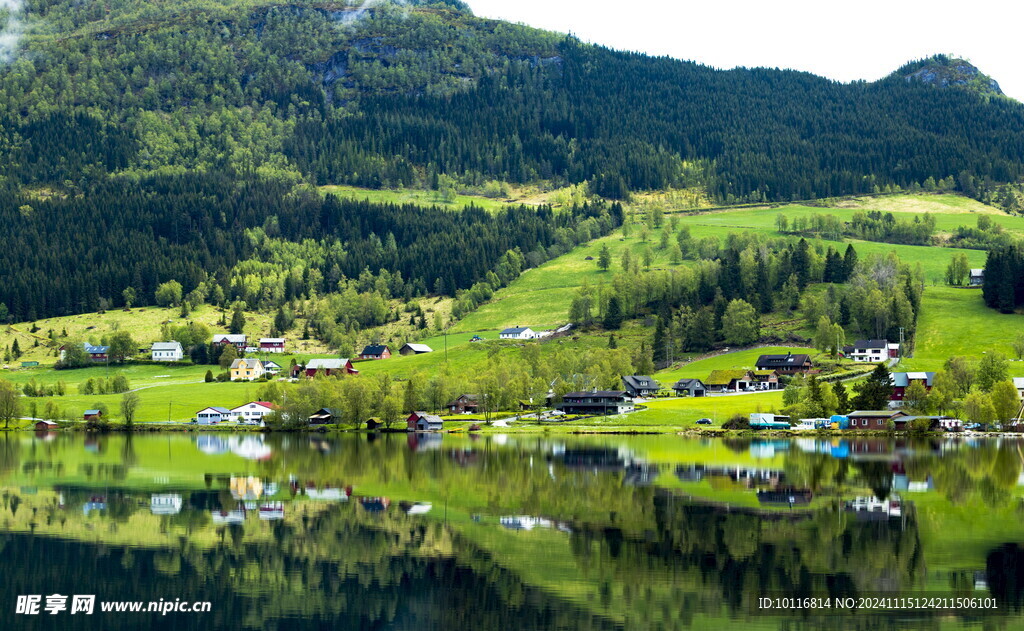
738 421
209 376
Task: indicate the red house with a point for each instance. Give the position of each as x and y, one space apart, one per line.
240 341
271 344
375 351
327 367
902 380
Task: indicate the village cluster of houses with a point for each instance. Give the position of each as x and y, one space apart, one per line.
173 352
254 413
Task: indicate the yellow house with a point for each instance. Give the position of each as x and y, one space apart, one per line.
246 370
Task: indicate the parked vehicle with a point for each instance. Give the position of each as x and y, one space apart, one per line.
703 421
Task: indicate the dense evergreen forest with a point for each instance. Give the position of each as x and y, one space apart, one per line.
397 94
75 254
144 142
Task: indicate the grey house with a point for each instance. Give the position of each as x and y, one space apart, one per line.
690 388
640 386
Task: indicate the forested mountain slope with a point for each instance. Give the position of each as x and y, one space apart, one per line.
153 134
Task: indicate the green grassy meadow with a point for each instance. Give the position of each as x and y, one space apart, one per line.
956 322
540 297
701 368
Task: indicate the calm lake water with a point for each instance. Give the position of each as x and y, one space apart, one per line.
508 532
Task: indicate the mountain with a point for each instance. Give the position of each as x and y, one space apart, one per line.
147 141
949 72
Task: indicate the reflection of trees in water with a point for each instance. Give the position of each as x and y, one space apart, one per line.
740 554
337 571
1004 569
988 471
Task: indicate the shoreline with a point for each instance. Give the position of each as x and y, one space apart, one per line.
484 430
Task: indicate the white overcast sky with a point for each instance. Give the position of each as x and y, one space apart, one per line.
838 39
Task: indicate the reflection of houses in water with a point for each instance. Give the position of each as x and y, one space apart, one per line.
785 497
250 447
211 445
902 482
250 488
464 457
525 522
871 508
416 508
165 504
95 503
421 441
272 511
328 493
233 517
767 448
640 474
749 477
595 459
690 472
374 504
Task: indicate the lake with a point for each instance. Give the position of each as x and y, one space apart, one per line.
518 531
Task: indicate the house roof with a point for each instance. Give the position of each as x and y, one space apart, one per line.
977 271
419 348
230 337
789 359
598 393
903 379
468 397
875 414
515 330
686 384
166 346
374 349
725 377
326 364
95 350
264 404
271 364
640 382
46 422
91 412
764 373
251 363
325 412
875 344
430 418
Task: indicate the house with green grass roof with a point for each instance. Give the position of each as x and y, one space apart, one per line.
766 380
729 381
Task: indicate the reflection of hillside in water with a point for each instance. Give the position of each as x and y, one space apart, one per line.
556 531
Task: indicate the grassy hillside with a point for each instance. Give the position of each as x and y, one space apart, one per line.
541 296
701 368
957 322
143 323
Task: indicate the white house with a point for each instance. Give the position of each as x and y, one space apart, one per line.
165 504
1018 382
977 277
252 412
872 351
518 333
166 352
271 367
211 415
